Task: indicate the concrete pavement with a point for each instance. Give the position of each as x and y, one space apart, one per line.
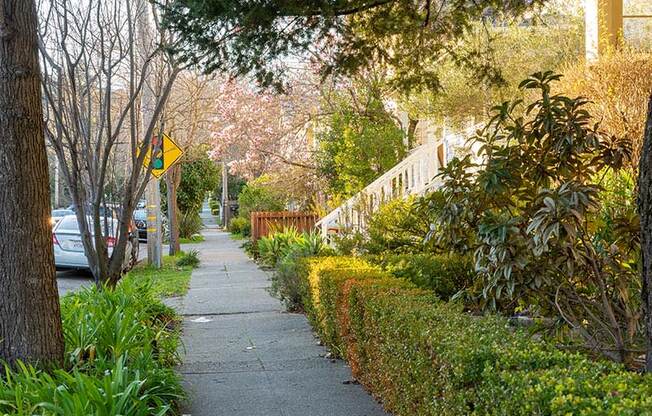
244 356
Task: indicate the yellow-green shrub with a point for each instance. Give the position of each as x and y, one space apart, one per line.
422 356
240 225
316 267
445 274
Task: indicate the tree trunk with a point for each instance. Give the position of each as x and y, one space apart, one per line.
173 179
30 320
645 212
411 132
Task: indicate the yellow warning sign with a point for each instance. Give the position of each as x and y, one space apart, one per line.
166 154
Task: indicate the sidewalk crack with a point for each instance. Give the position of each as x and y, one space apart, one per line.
190 315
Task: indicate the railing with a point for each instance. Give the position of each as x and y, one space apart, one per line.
414 175
263 222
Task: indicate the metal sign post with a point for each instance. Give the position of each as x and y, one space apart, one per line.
163 154
154 232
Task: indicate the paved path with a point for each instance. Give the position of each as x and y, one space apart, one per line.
244 356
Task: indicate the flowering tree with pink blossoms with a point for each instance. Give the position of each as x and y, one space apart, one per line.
259 132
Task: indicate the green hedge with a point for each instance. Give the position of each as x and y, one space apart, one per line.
422 356
444 274
120 352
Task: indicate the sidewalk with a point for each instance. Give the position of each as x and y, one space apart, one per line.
244 356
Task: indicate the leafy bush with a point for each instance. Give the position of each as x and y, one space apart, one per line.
189 259
445 274
287 283
530 209
421 356
274 248
199 175
190 223
120 350
398 226
358 144
286 251
240 225
349 243
311 276
260 195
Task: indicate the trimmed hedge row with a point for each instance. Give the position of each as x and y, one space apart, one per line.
422 356
445 274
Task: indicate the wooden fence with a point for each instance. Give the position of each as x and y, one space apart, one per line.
264 222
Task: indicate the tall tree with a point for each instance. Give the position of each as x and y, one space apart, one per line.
95 74
411 37
30 320
187 119
261 132
645 212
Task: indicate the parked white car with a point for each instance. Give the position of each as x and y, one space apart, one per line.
69 249
58 214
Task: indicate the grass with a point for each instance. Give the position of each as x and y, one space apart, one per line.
168 281
237 236
197 238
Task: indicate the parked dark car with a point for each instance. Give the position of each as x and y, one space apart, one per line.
140 221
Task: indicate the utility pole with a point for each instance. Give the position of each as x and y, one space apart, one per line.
225 196
153 191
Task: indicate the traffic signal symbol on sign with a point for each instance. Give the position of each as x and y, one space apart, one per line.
158 152
162 155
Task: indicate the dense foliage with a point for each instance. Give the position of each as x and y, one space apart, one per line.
250 37
530 209
447 275
421 356
285 250
519 50
260 195
358 145
120 353
240 226
199 175
618 86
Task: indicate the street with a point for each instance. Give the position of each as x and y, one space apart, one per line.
72 280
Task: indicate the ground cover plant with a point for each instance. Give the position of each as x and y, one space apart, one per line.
172 279
189 259
193 239
120 352
285 251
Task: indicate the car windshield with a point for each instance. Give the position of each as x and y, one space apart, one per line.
69 224
140 214
61 212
